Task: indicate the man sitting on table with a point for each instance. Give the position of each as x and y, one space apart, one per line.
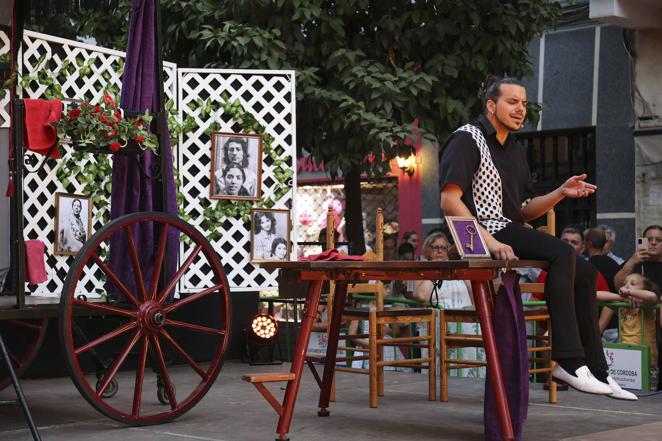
484 173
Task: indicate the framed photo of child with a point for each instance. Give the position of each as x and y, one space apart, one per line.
73 223
468 240
270 235
236 166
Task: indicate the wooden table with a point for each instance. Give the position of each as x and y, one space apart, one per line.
295 278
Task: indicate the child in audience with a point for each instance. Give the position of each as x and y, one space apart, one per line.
637 290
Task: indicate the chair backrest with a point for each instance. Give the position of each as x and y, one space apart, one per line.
376 288
550 228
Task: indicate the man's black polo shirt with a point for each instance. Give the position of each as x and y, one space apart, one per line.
461 163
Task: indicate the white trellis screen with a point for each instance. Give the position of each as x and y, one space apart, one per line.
270 97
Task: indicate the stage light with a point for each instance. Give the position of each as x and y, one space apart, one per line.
264 327
261 340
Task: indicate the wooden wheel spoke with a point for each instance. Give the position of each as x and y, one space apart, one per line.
184 354
140 376
158 261
171 285
135 261
104 338
165 377
104 307
192 298
117 363
24 324
194 327
113 277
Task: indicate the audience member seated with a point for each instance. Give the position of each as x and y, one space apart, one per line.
403 288
637 290
452 294
574 236
411 237
390 247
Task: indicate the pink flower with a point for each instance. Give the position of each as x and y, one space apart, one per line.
139 138
114 147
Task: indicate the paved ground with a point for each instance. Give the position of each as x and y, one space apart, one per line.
233 411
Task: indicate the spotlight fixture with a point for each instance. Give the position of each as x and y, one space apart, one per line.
261 339
264 327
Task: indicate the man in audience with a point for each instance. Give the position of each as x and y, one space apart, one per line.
574 237
594 244
595 240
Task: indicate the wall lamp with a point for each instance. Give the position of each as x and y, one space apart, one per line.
406 159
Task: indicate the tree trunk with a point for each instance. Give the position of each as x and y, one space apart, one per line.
354 212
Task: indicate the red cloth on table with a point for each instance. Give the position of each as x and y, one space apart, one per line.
332 254
35 259
600 285
40 135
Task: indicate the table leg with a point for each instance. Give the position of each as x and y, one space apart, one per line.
332 347
299 356
481 298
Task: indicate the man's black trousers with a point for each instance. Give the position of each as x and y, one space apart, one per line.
569 293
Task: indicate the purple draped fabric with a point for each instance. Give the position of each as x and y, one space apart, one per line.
508 316
134 189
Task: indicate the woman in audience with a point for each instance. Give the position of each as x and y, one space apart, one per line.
452 294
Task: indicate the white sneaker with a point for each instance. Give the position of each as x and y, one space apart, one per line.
583 380
618 392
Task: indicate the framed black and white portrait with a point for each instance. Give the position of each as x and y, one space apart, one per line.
270 234
236 166
73 223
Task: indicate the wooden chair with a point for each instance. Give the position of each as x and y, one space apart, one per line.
379 317
540 352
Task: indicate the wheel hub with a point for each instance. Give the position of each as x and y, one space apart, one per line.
152 317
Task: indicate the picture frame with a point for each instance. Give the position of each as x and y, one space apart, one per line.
236 166
467 237
270 235
73 223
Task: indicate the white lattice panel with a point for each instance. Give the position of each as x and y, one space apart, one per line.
270 97
40 188
4 102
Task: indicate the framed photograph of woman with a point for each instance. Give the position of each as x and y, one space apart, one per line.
270 234
236 166
73 223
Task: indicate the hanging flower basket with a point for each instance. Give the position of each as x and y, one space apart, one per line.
103 128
